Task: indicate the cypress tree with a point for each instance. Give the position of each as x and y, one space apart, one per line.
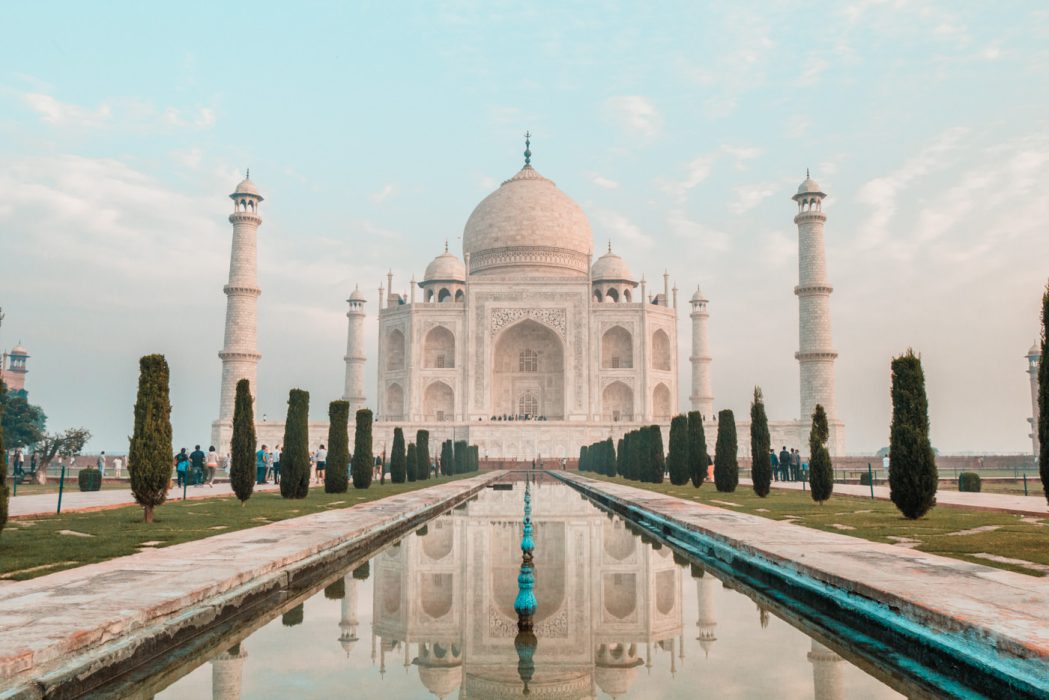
582 458
677 460
659 460
460 456
633 456
242 472
412 456
363 459
621 456
475 458
3 467
447 457
760 443
1043 402
912 476
821 472
337 471
422 455
150 452
398 468
610 457
697 449
644 454
295 456
726 464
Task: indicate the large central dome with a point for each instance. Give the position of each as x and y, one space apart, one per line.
527 227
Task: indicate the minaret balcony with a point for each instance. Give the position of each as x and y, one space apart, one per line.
245 217
231 290
810 290
239 355
819 355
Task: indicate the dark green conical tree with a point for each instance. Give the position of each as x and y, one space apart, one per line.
1043 401
363 459
295 455
3 467
398 458
150 452
760 443
292 617
475 458
677 460
608 451
447 458
460 456
582 458
422 455
410 458
633 456
644 454
821 472
697 449
621 456
912 473
658 458
726 464
242 474
337 469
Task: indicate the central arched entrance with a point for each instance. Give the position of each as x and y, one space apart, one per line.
528 377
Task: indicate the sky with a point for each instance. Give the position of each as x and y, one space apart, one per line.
373 130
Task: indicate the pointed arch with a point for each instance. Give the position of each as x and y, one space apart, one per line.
661 350
394 350
439 349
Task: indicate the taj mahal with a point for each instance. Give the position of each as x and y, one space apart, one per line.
527 346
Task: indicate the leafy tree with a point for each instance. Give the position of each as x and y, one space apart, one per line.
912 476
1043 401
336 472
726 464
295 457
23 422
447 458
242 472
363 460
398 463
150 451
658 457
411 458
422 455
677 460
821 472
68 443
760 444
697 449
4 494
621 456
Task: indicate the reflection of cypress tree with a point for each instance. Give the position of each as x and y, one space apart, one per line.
294 616
410 459
242 474
726 463
336 590
760 466
659 460
697 449
362 572
295 455
337 469
677 460
912 476
696 570
398 458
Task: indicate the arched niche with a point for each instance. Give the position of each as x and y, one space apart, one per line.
394 350
528 359
439 402
661 350
394 402
617 402
439 348
617 349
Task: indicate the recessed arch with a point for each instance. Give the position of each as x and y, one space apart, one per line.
528 357
661 401
598 296
617 348
661 350
394 350
617 402
627 296
613 295
443 295
394 402
459 296
439 348
439 402
437 594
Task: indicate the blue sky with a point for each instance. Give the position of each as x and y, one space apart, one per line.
682 130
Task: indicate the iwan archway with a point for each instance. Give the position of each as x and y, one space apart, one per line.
528 377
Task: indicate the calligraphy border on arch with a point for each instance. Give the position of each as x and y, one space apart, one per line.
505 317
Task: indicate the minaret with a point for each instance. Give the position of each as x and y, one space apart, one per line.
348 621
816 354
226 672
706 585
826 673
1034 356
702 394
354 391
14 375
239 354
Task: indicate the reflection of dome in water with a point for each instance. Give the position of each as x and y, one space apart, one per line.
616 668
498 684
441 680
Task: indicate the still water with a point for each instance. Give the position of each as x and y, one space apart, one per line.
432 616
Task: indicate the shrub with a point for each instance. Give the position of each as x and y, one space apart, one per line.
969 481
677 460
411 458
760 444
865 479
398 458
912 478
447 457
821 471
363 459
89 479
422 455
149 454
242 472
658 457
726 464
697 449
337 471
295 455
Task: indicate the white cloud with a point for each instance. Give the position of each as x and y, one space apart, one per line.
696 171
122 113
750 196
741 154
707 238
618 227
59 113
382 195
813 70
635 113
604 182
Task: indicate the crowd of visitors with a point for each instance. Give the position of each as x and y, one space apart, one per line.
787 466
267 465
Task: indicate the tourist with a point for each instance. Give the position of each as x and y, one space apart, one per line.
784 464
275 457
181 466
227 463
885 464
212 465
795 464
196 462
261 459
118 465
774 464
101 463
18 461
321 457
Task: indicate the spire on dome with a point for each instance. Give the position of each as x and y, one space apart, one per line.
528 148
247 174
610 245
807 176
446 245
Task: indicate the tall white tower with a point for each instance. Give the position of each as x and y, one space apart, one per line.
226 672
1034 357
827 680
240 356
348 621
354 391
706 588
816 354
702 393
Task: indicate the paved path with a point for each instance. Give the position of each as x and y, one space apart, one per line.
81 501
1028 505
996 614
53 625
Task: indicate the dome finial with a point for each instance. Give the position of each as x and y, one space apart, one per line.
807 176
247 174
446 245
609 245
528 148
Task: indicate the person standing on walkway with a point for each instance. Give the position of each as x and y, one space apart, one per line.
101 463
196 461
321 456
261 459
212 465
795 464
885 465
118 466
784 464
774 464
275 460
181 466
227 463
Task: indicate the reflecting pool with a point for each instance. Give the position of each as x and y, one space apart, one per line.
433 615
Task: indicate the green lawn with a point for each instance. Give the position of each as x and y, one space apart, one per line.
27 489
30 548
1015 536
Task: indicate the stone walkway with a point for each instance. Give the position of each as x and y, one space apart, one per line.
999 614
104 612
74 500
1028 505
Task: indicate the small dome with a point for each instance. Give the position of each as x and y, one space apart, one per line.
357 295
1035 350
441 680
698 296
19 350
611 267
246 186
809 186
616 681
445 268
